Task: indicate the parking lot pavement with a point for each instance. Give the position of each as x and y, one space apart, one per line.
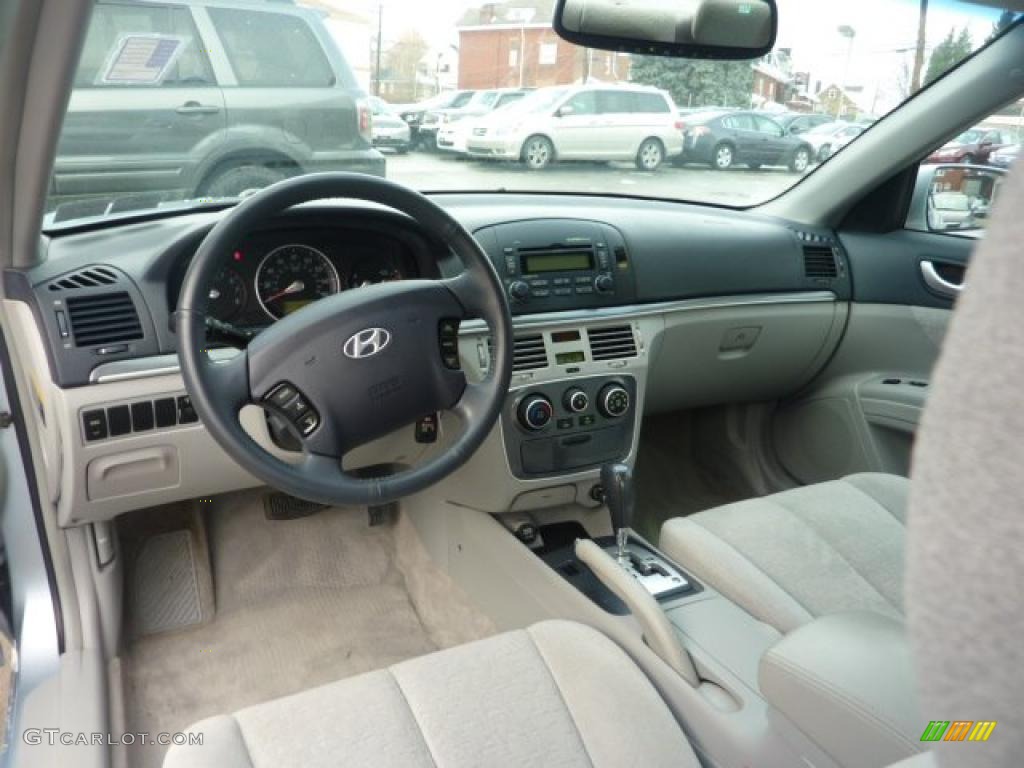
739 186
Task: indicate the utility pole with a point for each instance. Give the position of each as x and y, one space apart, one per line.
849 33
915 78
380 27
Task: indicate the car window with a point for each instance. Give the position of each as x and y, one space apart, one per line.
615 102
739 122
650 103
583 103
271 49
192 66
462 99
764 125
509 98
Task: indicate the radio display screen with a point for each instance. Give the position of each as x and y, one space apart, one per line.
558 261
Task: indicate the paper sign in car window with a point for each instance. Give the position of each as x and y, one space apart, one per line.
142 59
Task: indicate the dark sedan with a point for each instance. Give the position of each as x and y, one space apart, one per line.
725 139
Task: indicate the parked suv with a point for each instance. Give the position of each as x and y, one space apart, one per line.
592 122
723 140
229 96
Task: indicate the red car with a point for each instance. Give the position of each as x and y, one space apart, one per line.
973 146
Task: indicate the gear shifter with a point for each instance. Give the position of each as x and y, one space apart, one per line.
617 481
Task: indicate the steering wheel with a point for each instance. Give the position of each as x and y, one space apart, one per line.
350 367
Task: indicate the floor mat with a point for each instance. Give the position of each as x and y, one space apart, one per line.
299 603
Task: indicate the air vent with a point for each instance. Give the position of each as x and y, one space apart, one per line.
529 353
819 261
93 277
612 343
107 318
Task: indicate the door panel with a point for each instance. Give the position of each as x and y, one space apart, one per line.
576 132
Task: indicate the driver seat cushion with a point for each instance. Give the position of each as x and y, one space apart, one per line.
555 694
791 557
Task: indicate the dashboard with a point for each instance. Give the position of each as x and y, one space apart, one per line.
620 308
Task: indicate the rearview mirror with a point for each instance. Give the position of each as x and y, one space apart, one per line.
954 198
699 29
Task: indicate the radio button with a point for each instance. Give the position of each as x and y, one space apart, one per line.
563 291
562 281
583 281
584 289
538 283
540 294
604 284
519 290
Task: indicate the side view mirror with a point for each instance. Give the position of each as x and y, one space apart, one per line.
564 111
701 29
795 129
953 198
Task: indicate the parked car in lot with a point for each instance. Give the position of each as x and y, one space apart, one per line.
723 140
414 114
828 138
591 122
795 123
1005 157
453 124
388 129
973 146
232 96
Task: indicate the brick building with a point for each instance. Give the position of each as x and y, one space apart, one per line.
512 44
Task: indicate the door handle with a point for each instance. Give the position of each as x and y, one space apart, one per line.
938 283
195 108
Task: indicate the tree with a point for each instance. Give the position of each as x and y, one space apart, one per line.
402 59
696 83
1006 19
947 54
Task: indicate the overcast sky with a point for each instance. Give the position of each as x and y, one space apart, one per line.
885 34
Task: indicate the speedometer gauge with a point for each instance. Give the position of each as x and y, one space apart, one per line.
292 276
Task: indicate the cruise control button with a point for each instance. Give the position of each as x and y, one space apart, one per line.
295 407
308 423
450 360
448 328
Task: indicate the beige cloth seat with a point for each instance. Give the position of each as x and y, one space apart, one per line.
555 694
791 557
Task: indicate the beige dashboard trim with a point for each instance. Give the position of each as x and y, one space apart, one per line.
163 365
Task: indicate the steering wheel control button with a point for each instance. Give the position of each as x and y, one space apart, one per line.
142 416
281 394
613 401
308 423
426 429
94 424
535 412
448 339
294 408
575 400
186 413
120 420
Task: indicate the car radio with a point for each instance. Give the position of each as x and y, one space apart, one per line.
556 264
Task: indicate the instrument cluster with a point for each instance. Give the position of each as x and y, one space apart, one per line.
274 274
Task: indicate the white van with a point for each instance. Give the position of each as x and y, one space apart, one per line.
591 122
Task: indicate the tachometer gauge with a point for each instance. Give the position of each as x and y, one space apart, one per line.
227 294
372 270
292 276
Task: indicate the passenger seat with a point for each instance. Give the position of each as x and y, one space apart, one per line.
788 558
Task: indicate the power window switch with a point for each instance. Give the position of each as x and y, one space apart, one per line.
94 424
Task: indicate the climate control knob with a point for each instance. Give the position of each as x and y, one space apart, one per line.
613 401
575 400
604 284
535 412
519 290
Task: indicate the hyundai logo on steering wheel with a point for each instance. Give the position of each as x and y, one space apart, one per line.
366 343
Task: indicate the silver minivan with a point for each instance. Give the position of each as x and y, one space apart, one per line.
591 122
208 98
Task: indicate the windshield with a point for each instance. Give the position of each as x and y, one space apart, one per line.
185 103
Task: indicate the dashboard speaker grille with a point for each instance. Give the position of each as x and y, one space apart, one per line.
612 342
106 318
529 353
819 261
93 277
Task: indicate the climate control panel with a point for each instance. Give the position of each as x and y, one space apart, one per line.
568 426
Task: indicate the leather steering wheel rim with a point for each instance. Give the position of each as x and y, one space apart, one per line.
307 347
